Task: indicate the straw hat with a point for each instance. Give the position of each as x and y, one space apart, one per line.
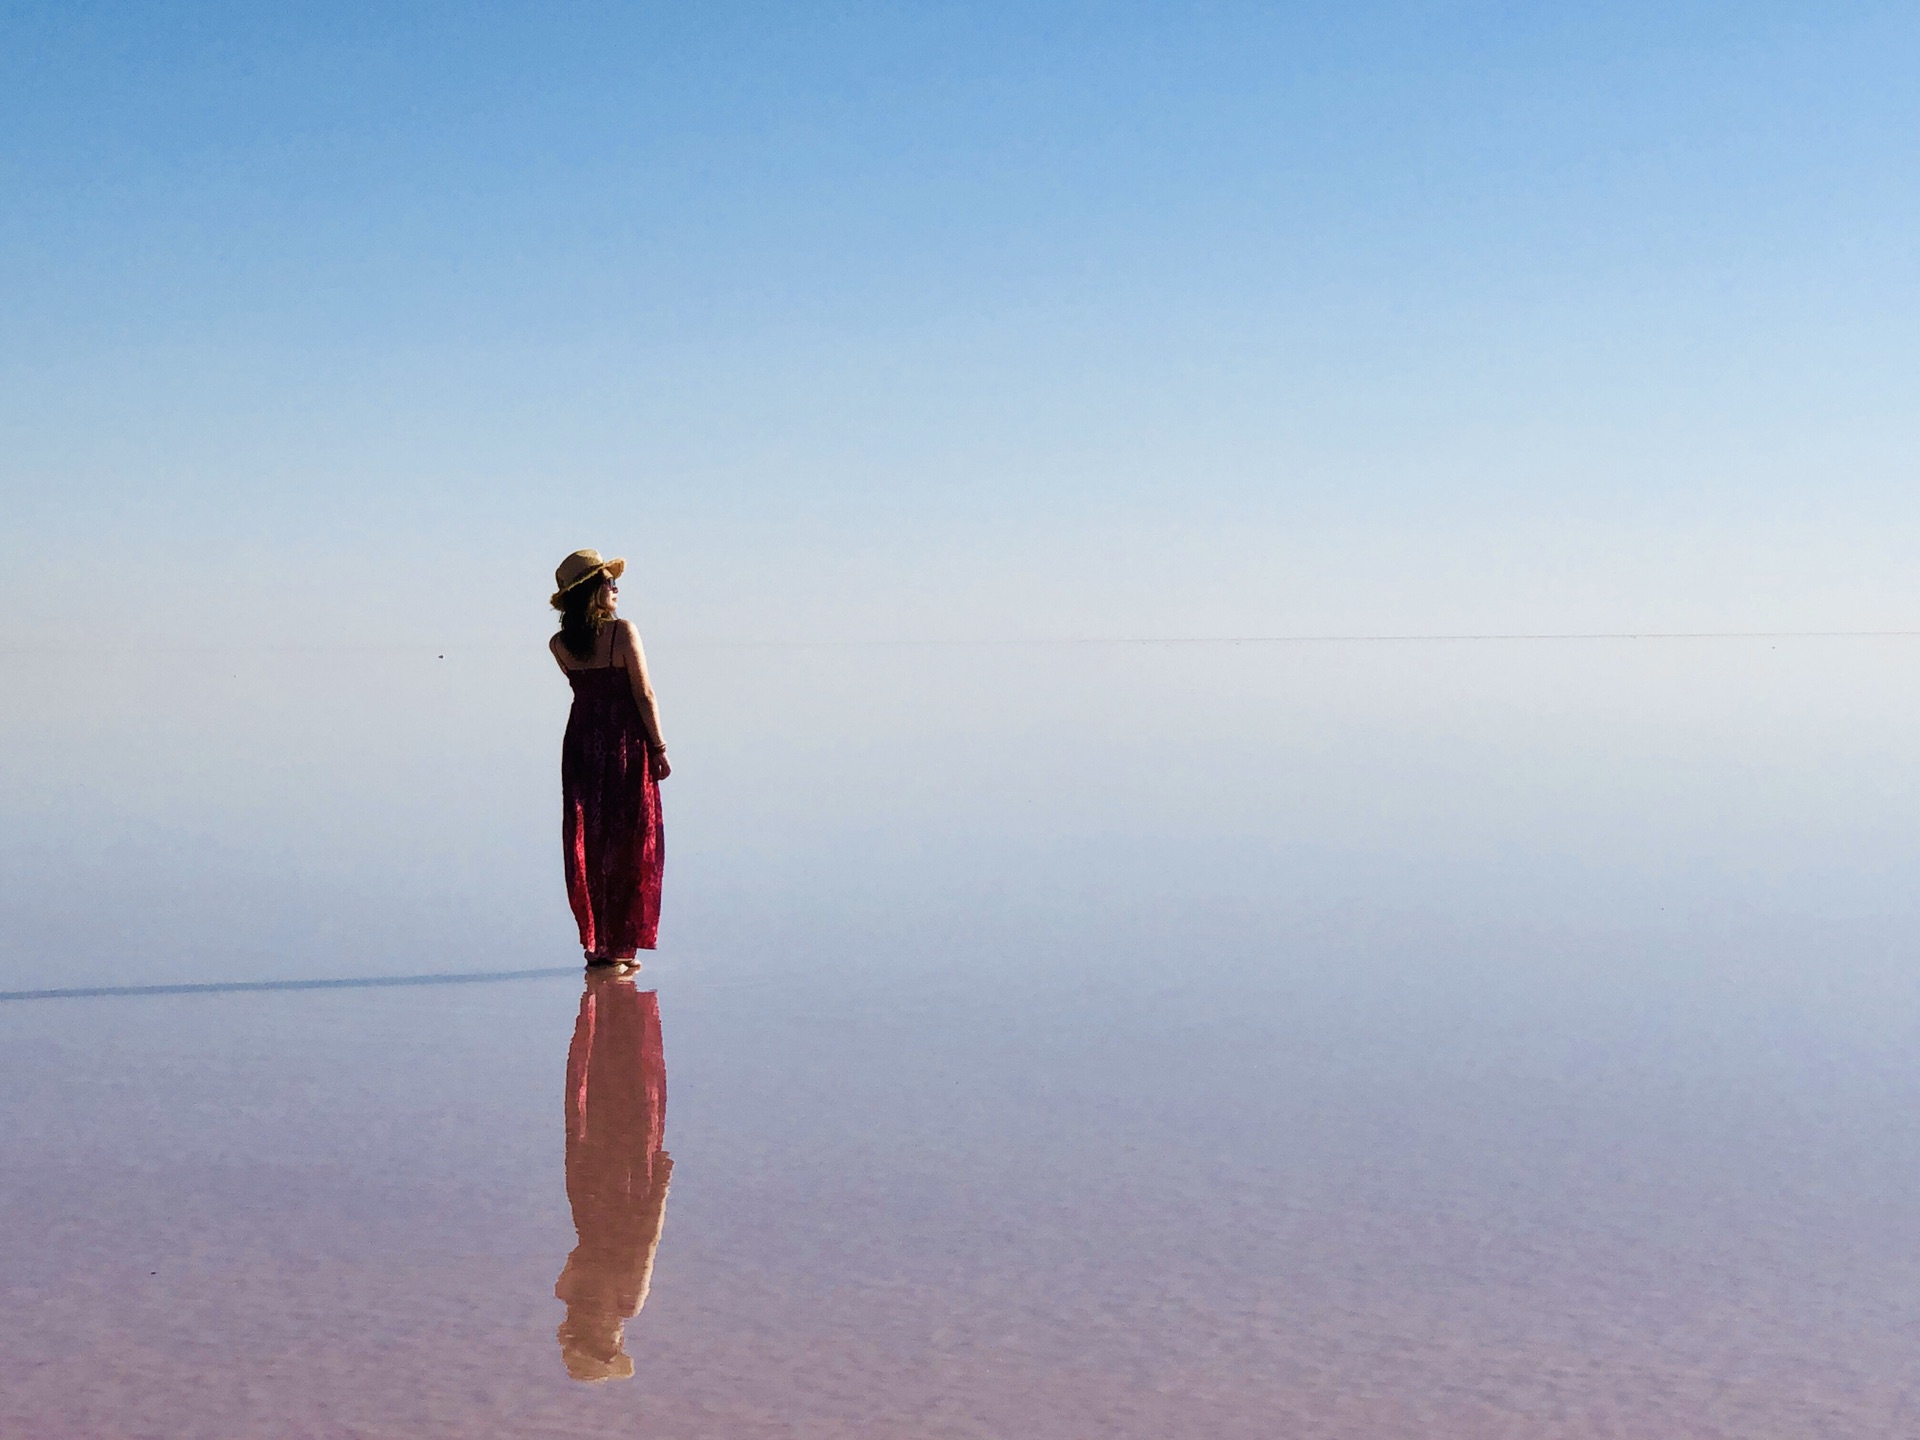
582 566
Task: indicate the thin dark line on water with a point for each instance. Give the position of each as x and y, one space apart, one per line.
235 987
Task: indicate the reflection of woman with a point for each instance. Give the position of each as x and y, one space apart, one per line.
610 765
616 1172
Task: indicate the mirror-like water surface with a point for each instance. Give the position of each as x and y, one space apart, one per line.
1073 1044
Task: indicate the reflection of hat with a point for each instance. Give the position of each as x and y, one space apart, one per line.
591 1348
582 566
582 1366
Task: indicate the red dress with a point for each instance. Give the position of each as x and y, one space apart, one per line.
615 850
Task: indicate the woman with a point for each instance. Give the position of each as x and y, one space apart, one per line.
610 765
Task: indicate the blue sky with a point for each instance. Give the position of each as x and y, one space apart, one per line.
982 319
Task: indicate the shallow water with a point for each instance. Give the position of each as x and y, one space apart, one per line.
1106 1043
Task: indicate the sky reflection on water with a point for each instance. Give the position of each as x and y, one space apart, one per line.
1032 1074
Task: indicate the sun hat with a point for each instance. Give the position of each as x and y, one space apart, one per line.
582 566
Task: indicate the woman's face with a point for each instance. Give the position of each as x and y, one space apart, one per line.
612 589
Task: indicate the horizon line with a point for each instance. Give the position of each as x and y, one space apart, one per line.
1401 638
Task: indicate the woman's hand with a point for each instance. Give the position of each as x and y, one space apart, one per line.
658 759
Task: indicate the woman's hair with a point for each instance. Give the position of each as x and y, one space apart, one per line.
583 610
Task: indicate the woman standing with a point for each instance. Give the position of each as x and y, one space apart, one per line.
611 764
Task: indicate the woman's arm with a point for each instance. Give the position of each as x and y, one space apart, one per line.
643 697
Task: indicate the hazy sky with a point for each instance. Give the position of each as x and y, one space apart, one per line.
986 319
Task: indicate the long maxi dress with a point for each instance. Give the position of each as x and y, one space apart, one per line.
611 831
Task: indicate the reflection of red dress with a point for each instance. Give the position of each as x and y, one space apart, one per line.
616 1172
611 828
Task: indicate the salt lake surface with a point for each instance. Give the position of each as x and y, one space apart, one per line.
1321 1041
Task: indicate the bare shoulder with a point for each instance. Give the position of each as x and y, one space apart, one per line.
557 650
628 637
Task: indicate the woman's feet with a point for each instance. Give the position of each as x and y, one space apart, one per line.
624 964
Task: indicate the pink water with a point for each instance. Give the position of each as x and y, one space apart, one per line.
1380 1047
961 1201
